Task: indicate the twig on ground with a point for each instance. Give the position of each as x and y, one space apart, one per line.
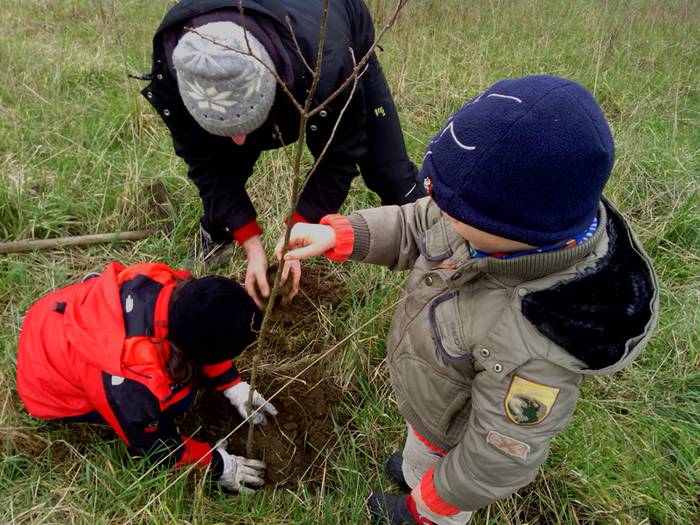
77 240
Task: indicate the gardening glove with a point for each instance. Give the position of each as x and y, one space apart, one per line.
240 474
238 396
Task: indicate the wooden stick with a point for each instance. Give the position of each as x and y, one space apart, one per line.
78 240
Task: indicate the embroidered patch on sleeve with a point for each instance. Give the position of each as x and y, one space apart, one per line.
527 402
508 445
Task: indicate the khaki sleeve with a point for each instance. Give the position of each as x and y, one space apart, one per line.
507 438
390 235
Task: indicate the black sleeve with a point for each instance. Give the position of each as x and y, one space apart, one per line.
220 170
328 186
362 26
147 431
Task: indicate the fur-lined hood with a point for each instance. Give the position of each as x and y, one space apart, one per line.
606 314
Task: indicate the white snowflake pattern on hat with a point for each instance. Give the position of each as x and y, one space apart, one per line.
209 98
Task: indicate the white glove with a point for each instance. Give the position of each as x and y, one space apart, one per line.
238 396
239 473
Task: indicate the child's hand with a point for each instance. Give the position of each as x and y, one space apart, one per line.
238 396
307 240
292 268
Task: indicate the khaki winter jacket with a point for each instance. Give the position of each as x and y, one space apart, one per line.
487 355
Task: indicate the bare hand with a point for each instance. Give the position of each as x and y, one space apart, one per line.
256 274
307 240
293 267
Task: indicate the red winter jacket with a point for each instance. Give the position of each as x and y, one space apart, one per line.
97 350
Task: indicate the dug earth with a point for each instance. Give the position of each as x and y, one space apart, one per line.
296 444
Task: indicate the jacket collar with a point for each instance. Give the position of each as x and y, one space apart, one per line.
528 267
146 364
442 242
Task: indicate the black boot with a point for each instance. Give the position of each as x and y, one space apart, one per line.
393 509
394 468
209 252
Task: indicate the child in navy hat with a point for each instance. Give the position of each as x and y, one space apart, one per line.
524 282
126 347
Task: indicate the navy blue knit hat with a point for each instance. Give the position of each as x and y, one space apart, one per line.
526 160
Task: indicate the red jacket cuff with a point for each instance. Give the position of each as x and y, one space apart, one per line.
217 369
432 499
344 237
223 387
195 452
247 231
297 217
222 375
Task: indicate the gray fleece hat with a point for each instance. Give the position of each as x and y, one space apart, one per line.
227 91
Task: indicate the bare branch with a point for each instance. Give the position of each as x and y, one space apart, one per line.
283 145
78 240
318 159
400 4
295 198
296 44
319 57
303 118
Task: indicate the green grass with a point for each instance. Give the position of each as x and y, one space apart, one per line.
78 148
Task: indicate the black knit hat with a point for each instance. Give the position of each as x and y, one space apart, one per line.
212 319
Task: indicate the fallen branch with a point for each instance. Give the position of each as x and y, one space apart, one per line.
77 240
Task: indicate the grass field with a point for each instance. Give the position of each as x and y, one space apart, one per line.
79 146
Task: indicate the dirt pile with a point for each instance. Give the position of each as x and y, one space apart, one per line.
295 443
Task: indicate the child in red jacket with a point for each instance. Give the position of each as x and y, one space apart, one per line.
124 347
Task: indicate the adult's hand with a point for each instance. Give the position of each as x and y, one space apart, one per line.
256 274
307 240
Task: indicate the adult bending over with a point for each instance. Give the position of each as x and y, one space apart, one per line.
223 107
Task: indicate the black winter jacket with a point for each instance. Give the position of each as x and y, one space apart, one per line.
220 168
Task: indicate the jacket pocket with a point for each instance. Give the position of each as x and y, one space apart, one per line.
436 398
446 328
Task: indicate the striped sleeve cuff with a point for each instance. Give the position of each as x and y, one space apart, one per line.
360 230
344 237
